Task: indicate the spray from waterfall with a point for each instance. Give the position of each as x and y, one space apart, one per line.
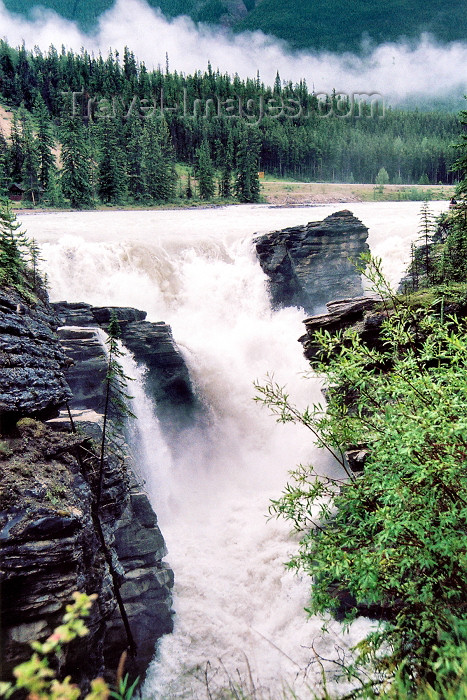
238 610
148 447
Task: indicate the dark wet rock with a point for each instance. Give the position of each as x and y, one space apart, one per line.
50 535
363 314
167 380
31 359
309 265
86 376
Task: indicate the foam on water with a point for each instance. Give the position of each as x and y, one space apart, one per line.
239 612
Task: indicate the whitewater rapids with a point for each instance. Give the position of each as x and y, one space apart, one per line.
239 613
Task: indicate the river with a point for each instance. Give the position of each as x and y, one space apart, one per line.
239 613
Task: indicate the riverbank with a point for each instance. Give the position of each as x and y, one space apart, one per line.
281 193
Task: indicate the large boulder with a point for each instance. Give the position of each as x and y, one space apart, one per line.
309 265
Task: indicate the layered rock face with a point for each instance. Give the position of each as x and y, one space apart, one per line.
54 538
309 265
359 313
167 380
31 359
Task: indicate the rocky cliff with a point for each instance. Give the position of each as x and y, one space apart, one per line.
32 362
362 314
167 380
54 537
309 265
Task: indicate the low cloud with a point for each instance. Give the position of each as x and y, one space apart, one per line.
397 71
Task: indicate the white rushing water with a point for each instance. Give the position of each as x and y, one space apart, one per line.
239 612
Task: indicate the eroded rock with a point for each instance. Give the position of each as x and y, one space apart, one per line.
309 265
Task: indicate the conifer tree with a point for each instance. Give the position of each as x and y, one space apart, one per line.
225 184
189 188
111 173
134 157
247 187
158 171
3 167
461 163
426 230
31 159
76 173
205 171
45 143
15 154
14 247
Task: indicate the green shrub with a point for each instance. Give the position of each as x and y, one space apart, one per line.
395 535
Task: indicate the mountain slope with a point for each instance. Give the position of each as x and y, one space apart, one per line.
336 25
339 25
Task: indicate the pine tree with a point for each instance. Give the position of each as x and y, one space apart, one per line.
31 160
247 187
76 173
134 157
455 248
3 167
14 247
111 173
35 259
189 188
461 162
205 171
45 143
15 153
426 230
158 170
225 184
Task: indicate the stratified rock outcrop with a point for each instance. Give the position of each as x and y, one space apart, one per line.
138 548
49 546
55 536
31 359
309 265
362 314
167 380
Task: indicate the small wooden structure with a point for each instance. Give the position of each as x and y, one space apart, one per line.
16 192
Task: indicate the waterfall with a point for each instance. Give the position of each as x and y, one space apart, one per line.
239 612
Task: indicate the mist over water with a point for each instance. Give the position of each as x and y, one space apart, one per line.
395 70
239 612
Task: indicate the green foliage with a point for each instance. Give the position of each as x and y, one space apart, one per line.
205 171
45 144
157 167
14 248
382 178
38 679
395 535
135 162
304 23
76 174
247 188
125 689
116 397
327 25
112 176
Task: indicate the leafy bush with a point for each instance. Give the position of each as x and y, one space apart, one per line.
395 535
38 679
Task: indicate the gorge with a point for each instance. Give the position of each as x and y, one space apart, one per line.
199 274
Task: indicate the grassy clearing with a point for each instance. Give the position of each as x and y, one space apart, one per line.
289 193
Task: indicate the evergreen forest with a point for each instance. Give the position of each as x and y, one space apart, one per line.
87 130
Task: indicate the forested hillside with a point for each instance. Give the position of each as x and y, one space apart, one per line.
121 129
336 25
